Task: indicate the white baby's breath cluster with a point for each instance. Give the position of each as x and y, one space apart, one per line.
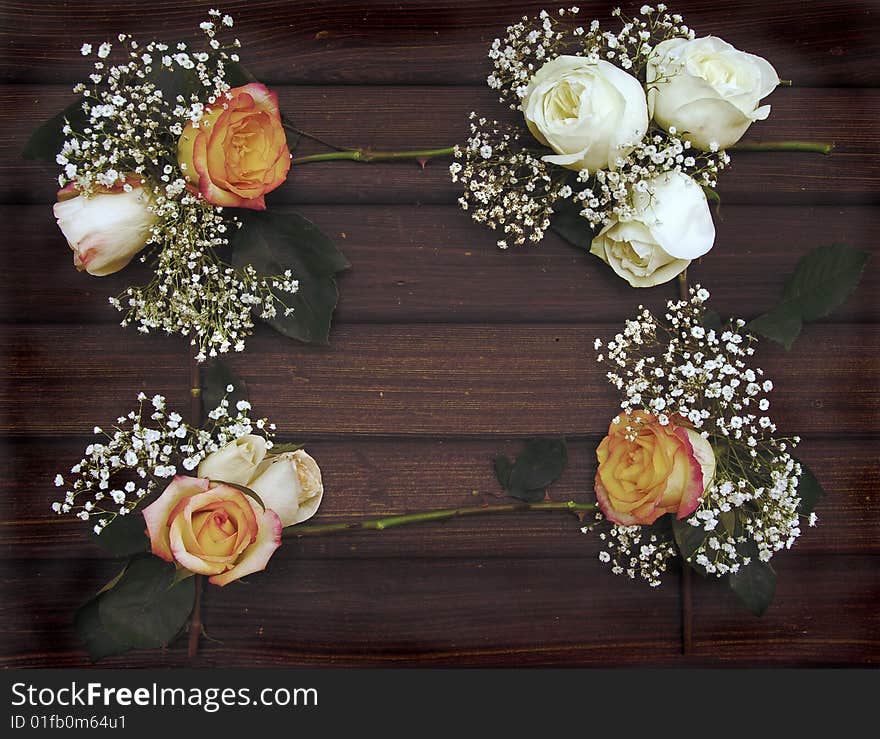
142 451
509 188
636 551
694 370
130 134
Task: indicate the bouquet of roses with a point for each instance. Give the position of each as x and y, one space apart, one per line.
171 152
622 137
695 440
179 500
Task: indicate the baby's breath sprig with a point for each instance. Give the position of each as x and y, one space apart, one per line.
508 186
141 450
691 369
128 135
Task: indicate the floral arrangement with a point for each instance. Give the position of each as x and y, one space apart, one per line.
622 136
695 439
170 154
692 467
178 501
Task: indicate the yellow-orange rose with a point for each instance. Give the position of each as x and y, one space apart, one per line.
647 469
211 530
238 151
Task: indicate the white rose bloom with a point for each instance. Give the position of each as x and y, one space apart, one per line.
709 90
289 484
106 230
236 462
588 113
671 226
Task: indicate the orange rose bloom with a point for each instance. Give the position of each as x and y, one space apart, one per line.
212 531
657 470
239 151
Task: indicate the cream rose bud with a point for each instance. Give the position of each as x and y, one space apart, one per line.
707 89
105 230
236 462
670 225
290 484
589 113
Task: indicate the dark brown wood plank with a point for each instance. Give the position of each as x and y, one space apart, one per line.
412 380
63 381
421 41
392 118
377 477
825 613
432 263
366 612
525 380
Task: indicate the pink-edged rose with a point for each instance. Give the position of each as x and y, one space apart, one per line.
107 229
210 529
238 150
647 469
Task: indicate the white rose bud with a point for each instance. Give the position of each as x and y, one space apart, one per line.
671 225
106 230
588 113
289 484
236 462
709 90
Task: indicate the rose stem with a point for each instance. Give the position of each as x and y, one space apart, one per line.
816 147
195 619
307 135
687 610
366 155
443 514
687 603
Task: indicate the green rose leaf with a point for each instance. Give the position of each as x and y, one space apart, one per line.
822 281
124 536
45 143
712 319
273 243
755 584
215 376
540 463
728 521
571 226
99 643
285 448
502 465
688 539
176 82
809 490
146 608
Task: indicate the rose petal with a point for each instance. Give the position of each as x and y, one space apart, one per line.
256 556
157 513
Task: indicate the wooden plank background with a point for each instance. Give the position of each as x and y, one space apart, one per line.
445 351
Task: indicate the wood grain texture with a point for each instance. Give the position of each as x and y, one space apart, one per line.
429 612
432 263
813 42
411 380
387 117
446 351
824 613
376 477
60 383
